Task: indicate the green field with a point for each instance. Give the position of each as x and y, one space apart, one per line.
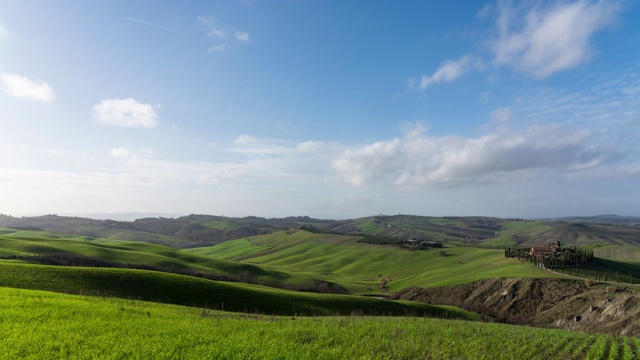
361 268
38 325
30 243
193 317
192 291
630 254
287 259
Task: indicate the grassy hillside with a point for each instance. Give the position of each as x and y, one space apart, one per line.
191 291
22 242
362 268
630 254
296 259
38 324
433 228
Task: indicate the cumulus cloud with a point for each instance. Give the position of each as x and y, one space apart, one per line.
22 87
417 160
547 39
448 71
125 112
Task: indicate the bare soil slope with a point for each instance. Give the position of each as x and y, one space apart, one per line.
559 303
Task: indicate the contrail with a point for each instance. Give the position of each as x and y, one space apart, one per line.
150 24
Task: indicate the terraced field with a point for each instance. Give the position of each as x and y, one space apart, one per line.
40 324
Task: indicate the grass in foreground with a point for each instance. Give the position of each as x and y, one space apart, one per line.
38 325
191 291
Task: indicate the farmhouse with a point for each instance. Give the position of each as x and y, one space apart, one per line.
543 250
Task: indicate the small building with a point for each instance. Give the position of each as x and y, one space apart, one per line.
542 250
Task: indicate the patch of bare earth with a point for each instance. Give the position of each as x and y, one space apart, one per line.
559 303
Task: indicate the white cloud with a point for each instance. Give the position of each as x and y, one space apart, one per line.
119 153
22 87
501 115
244 140
310 146
215 29
124 153
551 38
417 160
242 36
448 71
145 153
218 48
539 40
125 112
3 31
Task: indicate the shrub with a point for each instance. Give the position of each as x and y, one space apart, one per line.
590 282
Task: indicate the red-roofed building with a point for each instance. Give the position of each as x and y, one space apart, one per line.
542 250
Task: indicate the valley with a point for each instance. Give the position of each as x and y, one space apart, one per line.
333 273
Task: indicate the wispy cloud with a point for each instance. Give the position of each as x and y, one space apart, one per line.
538 39
546 39
224 34
150 24
23 87
244 140
3 31
218 48
311 146
242 36
448 71
125 112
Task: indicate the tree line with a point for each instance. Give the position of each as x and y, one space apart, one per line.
563 256
407 243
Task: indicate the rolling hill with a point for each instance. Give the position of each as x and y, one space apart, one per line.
205 230
364 268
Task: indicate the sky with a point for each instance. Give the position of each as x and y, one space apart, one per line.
330 109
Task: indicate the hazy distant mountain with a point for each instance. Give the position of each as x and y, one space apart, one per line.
600 219
124 216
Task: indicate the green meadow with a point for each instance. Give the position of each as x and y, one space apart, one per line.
39 325
361 268
193 291
30 243
68 312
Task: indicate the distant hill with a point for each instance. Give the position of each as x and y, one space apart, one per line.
601 219
206 230
187 231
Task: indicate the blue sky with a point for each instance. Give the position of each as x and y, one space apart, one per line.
331 109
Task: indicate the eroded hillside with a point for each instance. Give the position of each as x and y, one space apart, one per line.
559 303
